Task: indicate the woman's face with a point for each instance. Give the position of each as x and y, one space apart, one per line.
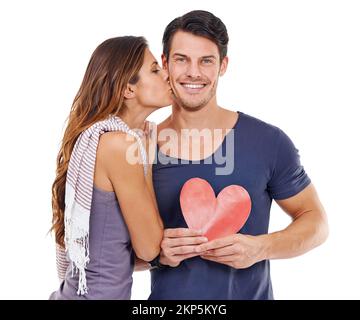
153 89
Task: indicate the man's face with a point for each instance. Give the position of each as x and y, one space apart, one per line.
194 68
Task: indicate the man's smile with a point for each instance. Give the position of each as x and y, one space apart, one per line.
193 87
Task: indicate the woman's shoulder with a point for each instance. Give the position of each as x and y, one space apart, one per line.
115 141
112 149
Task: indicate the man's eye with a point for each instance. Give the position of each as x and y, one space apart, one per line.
180 59
156 71
207 61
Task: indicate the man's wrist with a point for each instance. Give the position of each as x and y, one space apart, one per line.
270 244
266 246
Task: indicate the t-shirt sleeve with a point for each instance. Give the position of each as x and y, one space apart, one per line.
288 175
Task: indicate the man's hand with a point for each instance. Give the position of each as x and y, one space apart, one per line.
179 244
308 229
238 251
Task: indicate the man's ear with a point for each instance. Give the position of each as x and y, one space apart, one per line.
164 62
129 92
224 65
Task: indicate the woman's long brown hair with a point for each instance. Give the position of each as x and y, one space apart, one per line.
114 63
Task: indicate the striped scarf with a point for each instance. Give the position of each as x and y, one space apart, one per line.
78 192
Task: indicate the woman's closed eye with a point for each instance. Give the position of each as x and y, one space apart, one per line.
156 70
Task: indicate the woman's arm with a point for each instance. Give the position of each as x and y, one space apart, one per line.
141 265
133 191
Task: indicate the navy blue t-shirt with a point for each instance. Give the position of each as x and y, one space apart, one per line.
266 163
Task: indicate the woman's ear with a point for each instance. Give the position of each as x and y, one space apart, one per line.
129 92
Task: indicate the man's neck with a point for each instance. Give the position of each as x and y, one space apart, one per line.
205 118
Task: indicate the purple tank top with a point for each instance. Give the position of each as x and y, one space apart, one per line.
109 272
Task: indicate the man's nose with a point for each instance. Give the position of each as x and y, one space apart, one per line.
193 70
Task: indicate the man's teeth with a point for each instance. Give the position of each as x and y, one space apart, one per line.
194 86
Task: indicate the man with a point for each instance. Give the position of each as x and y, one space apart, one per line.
262 159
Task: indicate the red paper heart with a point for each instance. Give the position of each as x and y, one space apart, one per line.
215 217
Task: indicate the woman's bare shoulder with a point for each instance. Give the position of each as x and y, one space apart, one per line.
115 147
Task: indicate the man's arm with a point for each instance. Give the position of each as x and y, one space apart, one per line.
308 230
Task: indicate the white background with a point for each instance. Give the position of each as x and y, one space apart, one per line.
295 64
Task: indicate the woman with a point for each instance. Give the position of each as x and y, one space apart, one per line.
104 208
